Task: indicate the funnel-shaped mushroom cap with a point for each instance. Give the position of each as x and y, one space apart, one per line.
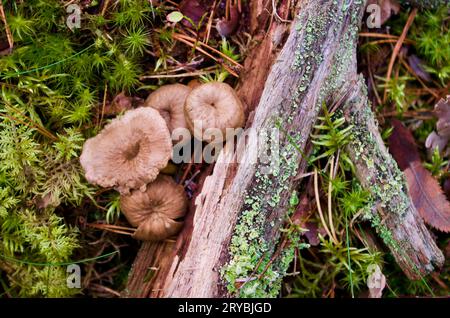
214 105
129 152
155 212
169 101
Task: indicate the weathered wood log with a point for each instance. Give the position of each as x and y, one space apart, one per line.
396 219
227 249
153 259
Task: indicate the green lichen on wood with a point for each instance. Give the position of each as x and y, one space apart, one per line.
382 176
247 273
249 251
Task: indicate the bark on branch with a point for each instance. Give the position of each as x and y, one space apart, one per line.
234 228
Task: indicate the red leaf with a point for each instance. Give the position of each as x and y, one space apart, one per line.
227 27
428 197
402 145
426 193
193 9
442 136
442 110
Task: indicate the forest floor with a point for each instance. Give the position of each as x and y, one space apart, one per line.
62 82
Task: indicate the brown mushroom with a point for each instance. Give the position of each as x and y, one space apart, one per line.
194 83
213 105
169 101
129 152
156 212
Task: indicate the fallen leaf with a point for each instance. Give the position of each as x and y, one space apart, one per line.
417 66
428 197
425 191
300 217
442 110
193 9
313 233
402 145
440 137
175 16
227 27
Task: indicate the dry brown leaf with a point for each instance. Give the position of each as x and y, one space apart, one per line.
442 110
442 136
227 27
428 197
426 193
193 9
417 66
402 145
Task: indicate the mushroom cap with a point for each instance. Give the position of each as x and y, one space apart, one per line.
215 105
169 101
193 83
156 211
129 152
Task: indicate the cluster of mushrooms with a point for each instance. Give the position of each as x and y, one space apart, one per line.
129 153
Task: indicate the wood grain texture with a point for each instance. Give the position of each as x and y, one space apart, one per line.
317 64
409 240
218 207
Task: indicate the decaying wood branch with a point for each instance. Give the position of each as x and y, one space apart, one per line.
151 264
396 219
227 246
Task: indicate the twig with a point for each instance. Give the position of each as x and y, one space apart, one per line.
113 228
397 48
105 5
187 74
7 29
378 35
33 124
187 38
372 81
386 41
275 13
100 288
209 24
188 169
206 53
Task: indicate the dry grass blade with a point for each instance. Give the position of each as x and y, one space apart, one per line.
113 228
319 207
397 48
7 29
